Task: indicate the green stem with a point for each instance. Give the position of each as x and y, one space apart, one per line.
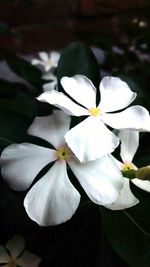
6 140
137 224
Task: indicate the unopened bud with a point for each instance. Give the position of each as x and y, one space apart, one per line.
143 173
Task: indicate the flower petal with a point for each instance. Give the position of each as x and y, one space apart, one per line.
101 179
81 89
54 56
63 102
129 144
4 257
28 259
91 139
44 56
125 199
145 185
15 245
49 86
49 76
36 62
134 117
22 162
115 94
53 199
51 128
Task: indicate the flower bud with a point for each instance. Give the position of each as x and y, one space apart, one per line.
143 173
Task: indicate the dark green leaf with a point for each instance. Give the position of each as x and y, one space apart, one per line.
129 231
78 59
23 69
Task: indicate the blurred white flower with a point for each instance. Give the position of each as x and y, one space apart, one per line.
52 84
17 256
47 61
91 139
53 199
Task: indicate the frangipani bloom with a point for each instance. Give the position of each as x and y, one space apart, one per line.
48 61
15 258
129 144
91 139
53 199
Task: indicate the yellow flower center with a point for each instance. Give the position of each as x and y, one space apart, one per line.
128 167
63 153
95 112
49 62
12 262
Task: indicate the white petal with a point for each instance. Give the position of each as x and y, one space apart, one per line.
51 128
4 257
80 88
145 185
91 139
36 62
53 199
101 179
55 56
134 117
129 144
115 94
63 102
28 259
49 76
15 246
22 162
44 56
49 86
125 199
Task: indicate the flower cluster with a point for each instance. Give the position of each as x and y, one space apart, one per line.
49 63
85 149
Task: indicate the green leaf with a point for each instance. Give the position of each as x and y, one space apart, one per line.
78 59
23 69
129 231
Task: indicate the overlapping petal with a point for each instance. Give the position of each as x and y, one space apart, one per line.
53 199
81 89
28 259
91 139
134 117
51 128
115 94
101 179
22 162
129 144
125 199
61 101
15 246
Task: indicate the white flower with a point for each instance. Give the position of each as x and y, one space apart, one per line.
48 61
91 139
53 81
15 258
53 199
129 144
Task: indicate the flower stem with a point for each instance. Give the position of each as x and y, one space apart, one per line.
137 224
6 140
